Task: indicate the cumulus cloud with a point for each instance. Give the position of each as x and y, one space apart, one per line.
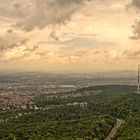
53 35
88 38
48 12
136 25
14 8
129 54
18 53
30 14
136 30
11 40
135 3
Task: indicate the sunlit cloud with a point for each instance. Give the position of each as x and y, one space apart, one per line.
65 34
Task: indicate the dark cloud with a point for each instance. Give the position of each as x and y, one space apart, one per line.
14 8
135 3
49 12
31 14
19 9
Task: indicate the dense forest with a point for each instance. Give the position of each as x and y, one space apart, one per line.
85 114
94 128
130 130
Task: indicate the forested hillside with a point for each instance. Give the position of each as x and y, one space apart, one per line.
85 114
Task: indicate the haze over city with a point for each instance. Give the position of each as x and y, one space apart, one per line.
69 35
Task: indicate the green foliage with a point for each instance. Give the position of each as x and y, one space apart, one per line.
97 127
130 130
118 105
73 122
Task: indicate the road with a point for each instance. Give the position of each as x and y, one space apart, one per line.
119 122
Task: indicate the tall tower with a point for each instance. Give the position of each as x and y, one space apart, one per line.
138 79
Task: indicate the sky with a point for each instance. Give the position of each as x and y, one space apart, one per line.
69 35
